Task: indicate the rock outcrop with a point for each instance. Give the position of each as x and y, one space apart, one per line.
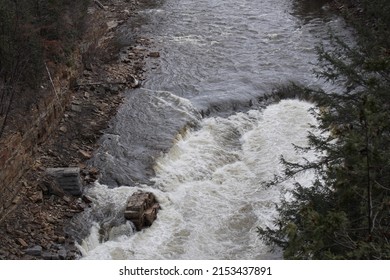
141 209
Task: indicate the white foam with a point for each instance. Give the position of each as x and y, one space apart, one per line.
209 187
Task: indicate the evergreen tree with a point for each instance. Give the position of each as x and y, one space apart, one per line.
345 214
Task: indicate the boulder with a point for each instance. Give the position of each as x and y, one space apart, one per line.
68 178
141 209
154 54
34 251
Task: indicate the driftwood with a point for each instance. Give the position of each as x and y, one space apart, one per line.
133 82
51 81
101 84
141 209
100 5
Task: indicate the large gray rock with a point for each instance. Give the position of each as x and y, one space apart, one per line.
34 251
141 209
68 178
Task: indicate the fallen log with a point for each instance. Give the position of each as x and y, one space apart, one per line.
132 81
100 5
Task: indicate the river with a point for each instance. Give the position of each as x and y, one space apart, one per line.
197 133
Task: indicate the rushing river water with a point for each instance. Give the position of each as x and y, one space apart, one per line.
196 134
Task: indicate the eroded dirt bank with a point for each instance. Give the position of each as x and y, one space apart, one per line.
35 228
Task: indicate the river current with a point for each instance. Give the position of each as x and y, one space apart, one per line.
196 133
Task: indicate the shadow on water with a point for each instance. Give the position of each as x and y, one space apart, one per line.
138 23
150 4
307 10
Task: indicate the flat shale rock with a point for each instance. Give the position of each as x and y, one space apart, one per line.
68 178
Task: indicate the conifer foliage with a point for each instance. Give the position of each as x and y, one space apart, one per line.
345 213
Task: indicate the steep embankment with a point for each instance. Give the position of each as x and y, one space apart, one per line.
32 226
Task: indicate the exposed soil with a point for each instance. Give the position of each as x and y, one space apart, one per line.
35 228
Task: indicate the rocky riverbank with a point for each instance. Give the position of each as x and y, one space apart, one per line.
35 226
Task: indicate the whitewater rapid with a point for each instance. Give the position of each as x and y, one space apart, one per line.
209 186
